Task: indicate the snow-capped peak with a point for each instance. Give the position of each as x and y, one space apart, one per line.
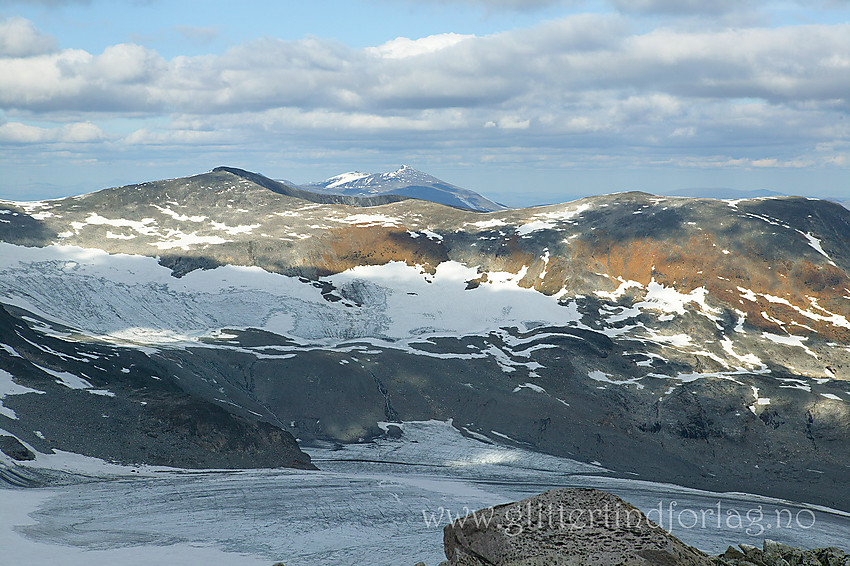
405 171
344 178
404 181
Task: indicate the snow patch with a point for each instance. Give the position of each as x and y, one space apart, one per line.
748 359
146 226
367 220
113 236
495 222
531 386
9 387
344 178
790 340
670 301
758 400
179 217
534 226
69 380
815 244
550 219
185 241
597 375
619 291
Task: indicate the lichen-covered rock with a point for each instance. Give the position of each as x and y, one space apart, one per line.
562 527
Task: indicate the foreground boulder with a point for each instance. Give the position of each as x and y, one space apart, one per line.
778 554
561 527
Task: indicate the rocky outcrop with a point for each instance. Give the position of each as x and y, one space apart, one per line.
12 447
777 554
565 527
584 527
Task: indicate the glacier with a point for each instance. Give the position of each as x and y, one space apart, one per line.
379 503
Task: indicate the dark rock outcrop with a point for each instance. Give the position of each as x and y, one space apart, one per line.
565 527
12 447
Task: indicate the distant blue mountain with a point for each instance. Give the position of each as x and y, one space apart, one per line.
405 181
722 193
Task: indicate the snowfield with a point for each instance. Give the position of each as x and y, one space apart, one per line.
133 298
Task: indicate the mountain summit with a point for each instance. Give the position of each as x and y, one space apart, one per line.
404 181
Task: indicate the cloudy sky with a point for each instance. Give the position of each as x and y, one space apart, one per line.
525 101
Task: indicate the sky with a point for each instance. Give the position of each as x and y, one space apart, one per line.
524 101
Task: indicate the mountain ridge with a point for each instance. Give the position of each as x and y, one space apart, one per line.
311 196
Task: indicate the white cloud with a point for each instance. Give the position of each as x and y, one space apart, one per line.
718 7
176 137
681 7
591 86
127 63
402 47
555 63
513 123
51 80
79 132
20 38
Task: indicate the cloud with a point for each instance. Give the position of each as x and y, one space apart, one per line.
127 64
682 7
50 3
174 137
543 69
518 5
80 132
20 38
589 86
403 47
646 7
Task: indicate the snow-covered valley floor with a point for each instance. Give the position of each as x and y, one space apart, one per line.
377 504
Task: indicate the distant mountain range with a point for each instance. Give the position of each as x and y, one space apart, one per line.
722 193
409 182
405 181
